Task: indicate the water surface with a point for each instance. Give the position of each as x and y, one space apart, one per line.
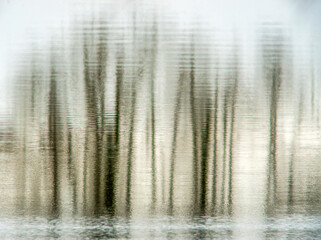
147 120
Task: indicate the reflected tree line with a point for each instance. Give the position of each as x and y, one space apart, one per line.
80 125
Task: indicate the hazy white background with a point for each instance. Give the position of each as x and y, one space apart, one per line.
22 19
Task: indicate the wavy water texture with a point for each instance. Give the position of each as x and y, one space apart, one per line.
140 109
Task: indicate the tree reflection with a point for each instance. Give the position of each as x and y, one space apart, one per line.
85 133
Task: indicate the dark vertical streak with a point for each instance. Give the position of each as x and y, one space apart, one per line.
194 129
97 151
69 142
174 139
224 149
137 75
113 143
71 168
273 134
154 50
230 180
272 58
100 102
95 96
163 178
53 137
87 86
214 186
204 157
130 149
111 153
231 144
153 146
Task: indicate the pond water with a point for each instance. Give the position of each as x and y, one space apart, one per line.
282 227
150 119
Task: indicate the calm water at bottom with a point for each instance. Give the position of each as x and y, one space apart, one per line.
165 227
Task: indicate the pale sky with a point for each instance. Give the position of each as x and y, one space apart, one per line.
18 18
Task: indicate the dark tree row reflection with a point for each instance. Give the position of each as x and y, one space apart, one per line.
101 130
